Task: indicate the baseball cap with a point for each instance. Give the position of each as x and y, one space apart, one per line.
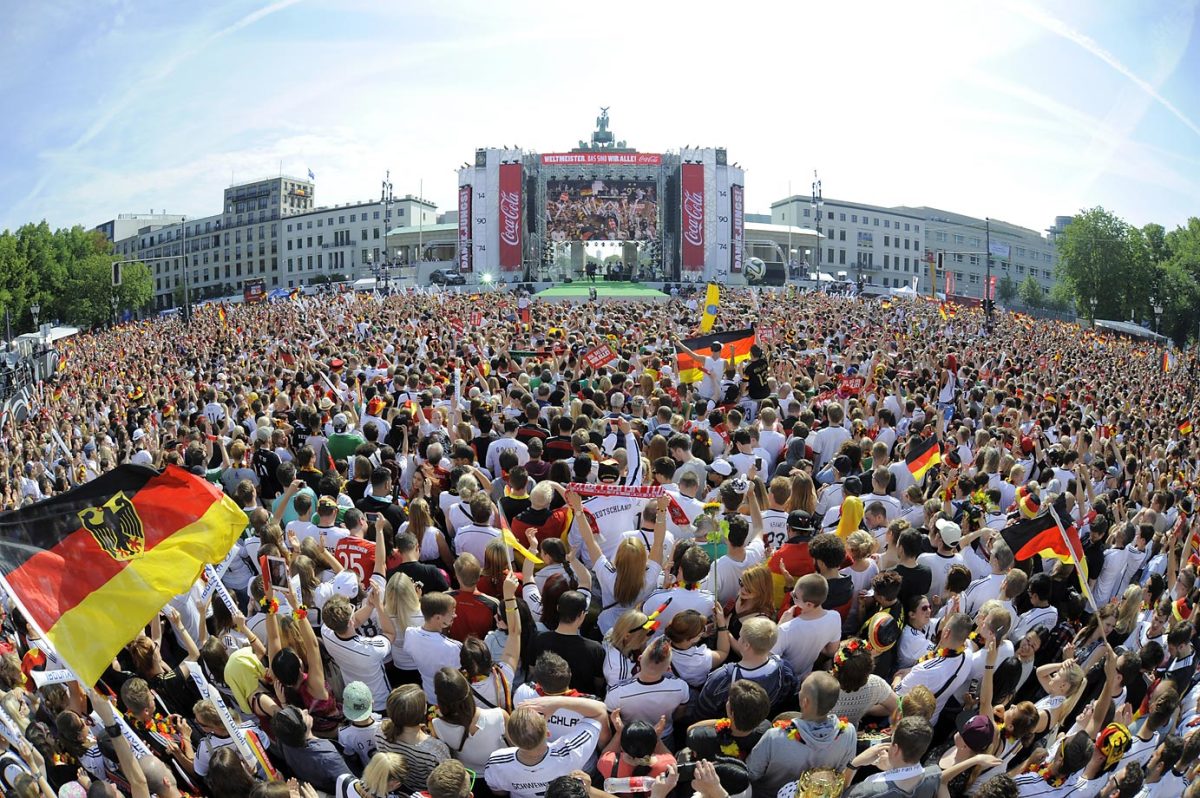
608 469
346 584
1113 471
340 422
951 532
978 733
357 701
800 521
721 466
139 433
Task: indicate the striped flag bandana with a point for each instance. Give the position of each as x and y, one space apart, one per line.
634 492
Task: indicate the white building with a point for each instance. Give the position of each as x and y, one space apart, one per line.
882 246
130 224
268 229
1017 252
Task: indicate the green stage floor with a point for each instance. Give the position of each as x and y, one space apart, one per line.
578 291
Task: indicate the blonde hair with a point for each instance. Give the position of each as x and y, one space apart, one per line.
804 495
623 636
400 599
861 545
526 728
630 564
1129 608
419 518
495 559
760 634
381 771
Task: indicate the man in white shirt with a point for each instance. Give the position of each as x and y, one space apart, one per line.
948 669
686 593
428 643
1116 558
989 587
826 441
880 479
508 441
524 770
944 536
811 631
474 537
360 657
654 693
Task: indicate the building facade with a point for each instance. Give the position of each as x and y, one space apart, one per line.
1017 253
130 224
267 229
881 246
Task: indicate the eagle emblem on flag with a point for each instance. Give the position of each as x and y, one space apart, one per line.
116 527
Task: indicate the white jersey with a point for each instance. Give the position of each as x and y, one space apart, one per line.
505 773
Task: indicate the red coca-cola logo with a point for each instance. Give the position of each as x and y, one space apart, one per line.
510 211
693 216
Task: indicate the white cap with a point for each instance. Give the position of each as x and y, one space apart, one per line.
346 584
951 532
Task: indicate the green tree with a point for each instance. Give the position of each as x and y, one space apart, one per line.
1031 292
1094 261
17 282
1006 290
137 287
1062 298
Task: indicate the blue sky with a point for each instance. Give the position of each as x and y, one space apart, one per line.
1015 110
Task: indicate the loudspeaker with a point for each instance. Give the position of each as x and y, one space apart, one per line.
480 158
776 274
722 157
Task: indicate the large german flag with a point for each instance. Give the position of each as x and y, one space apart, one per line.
736 348
1042 535
91 567
922 455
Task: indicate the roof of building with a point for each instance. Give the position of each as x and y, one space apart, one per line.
766 227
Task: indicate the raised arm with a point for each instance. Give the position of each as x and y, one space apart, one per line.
512 647
129 765
658 542
579 519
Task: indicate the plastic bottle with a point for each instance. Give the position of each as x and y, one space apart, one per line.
617 786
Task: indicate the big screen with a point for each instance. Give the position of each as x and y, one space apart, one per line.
602 210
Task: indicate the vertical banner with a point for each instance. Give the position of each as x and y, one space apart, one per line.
691 179
510 216
737 218
991 290
464 228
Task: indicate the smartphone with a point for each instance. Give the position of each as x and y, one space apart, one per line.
758 464
372 517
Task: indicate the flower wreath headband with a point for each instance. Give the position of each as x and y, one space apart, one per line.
844 652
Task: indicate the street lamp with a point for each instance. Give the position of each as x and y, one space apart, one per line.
1158 311
1093 302
114 302
817 202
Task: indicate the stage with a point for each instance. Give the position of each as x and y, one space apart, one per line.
579 291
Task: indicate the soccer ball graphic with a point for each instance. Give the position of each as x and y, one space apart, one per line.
755 269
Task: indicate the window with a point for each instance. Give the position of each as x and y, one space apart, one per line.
829 257
906 243
807 211
400 212
885 261
841 257
364 234
916 228
974 260
376 235
319 263
310 242
887 223
887 241
320 222
854 218
1021 252
289 264
1020 269
376 214
342 219
866 220
876 221
829 215
319 240
906 227
958 258
974 278
906 265
841 217
974 241
958 239
886 282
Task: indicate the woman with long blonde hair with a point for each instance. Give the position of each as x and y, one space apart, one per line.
1128 611
633 574
804 495
402 603
755 598
623 645
431 543
495 566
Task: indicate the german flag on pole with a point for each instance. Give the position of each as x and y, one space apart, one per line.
712 303
1045 534
222 316
735 347
922 455
1185 426
91 567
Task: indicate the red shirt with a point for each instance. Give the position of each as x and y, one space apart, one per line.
474 615
356 555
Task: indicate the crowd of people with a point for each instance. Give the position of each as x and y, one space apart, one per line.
513 570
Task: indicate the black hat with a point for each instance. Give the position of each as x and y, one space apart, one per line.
801 521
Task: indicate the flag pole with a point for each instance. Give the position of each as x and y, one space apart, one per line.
1079 570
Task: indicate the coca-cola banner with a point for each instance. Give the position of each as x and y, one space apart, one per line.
692 216
737 218
464 228
510 216
605 158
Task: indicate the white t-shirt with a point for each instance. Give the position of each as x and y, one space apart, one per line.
692 664
359 740
505 773
699 600
939 565
802 639
431 651
475 750
474 539
722 579
649 702
606 575
942 675
775 531
361 659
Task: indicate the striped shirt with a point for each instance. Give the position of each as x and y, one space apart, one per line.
420 758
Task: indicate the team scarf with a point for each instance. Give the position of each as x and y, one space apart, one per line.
678 516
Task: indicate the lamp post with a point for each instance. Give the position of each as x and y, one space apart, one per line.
35 310
1158 311
114 302
817 202
1093 302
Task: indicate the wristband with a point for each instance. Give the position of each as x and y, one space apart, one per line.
300 613
722 628
113 730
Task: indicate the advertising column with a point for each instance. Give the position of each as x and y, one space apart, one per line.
737 219
510 217
692 216
464 228
721 228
